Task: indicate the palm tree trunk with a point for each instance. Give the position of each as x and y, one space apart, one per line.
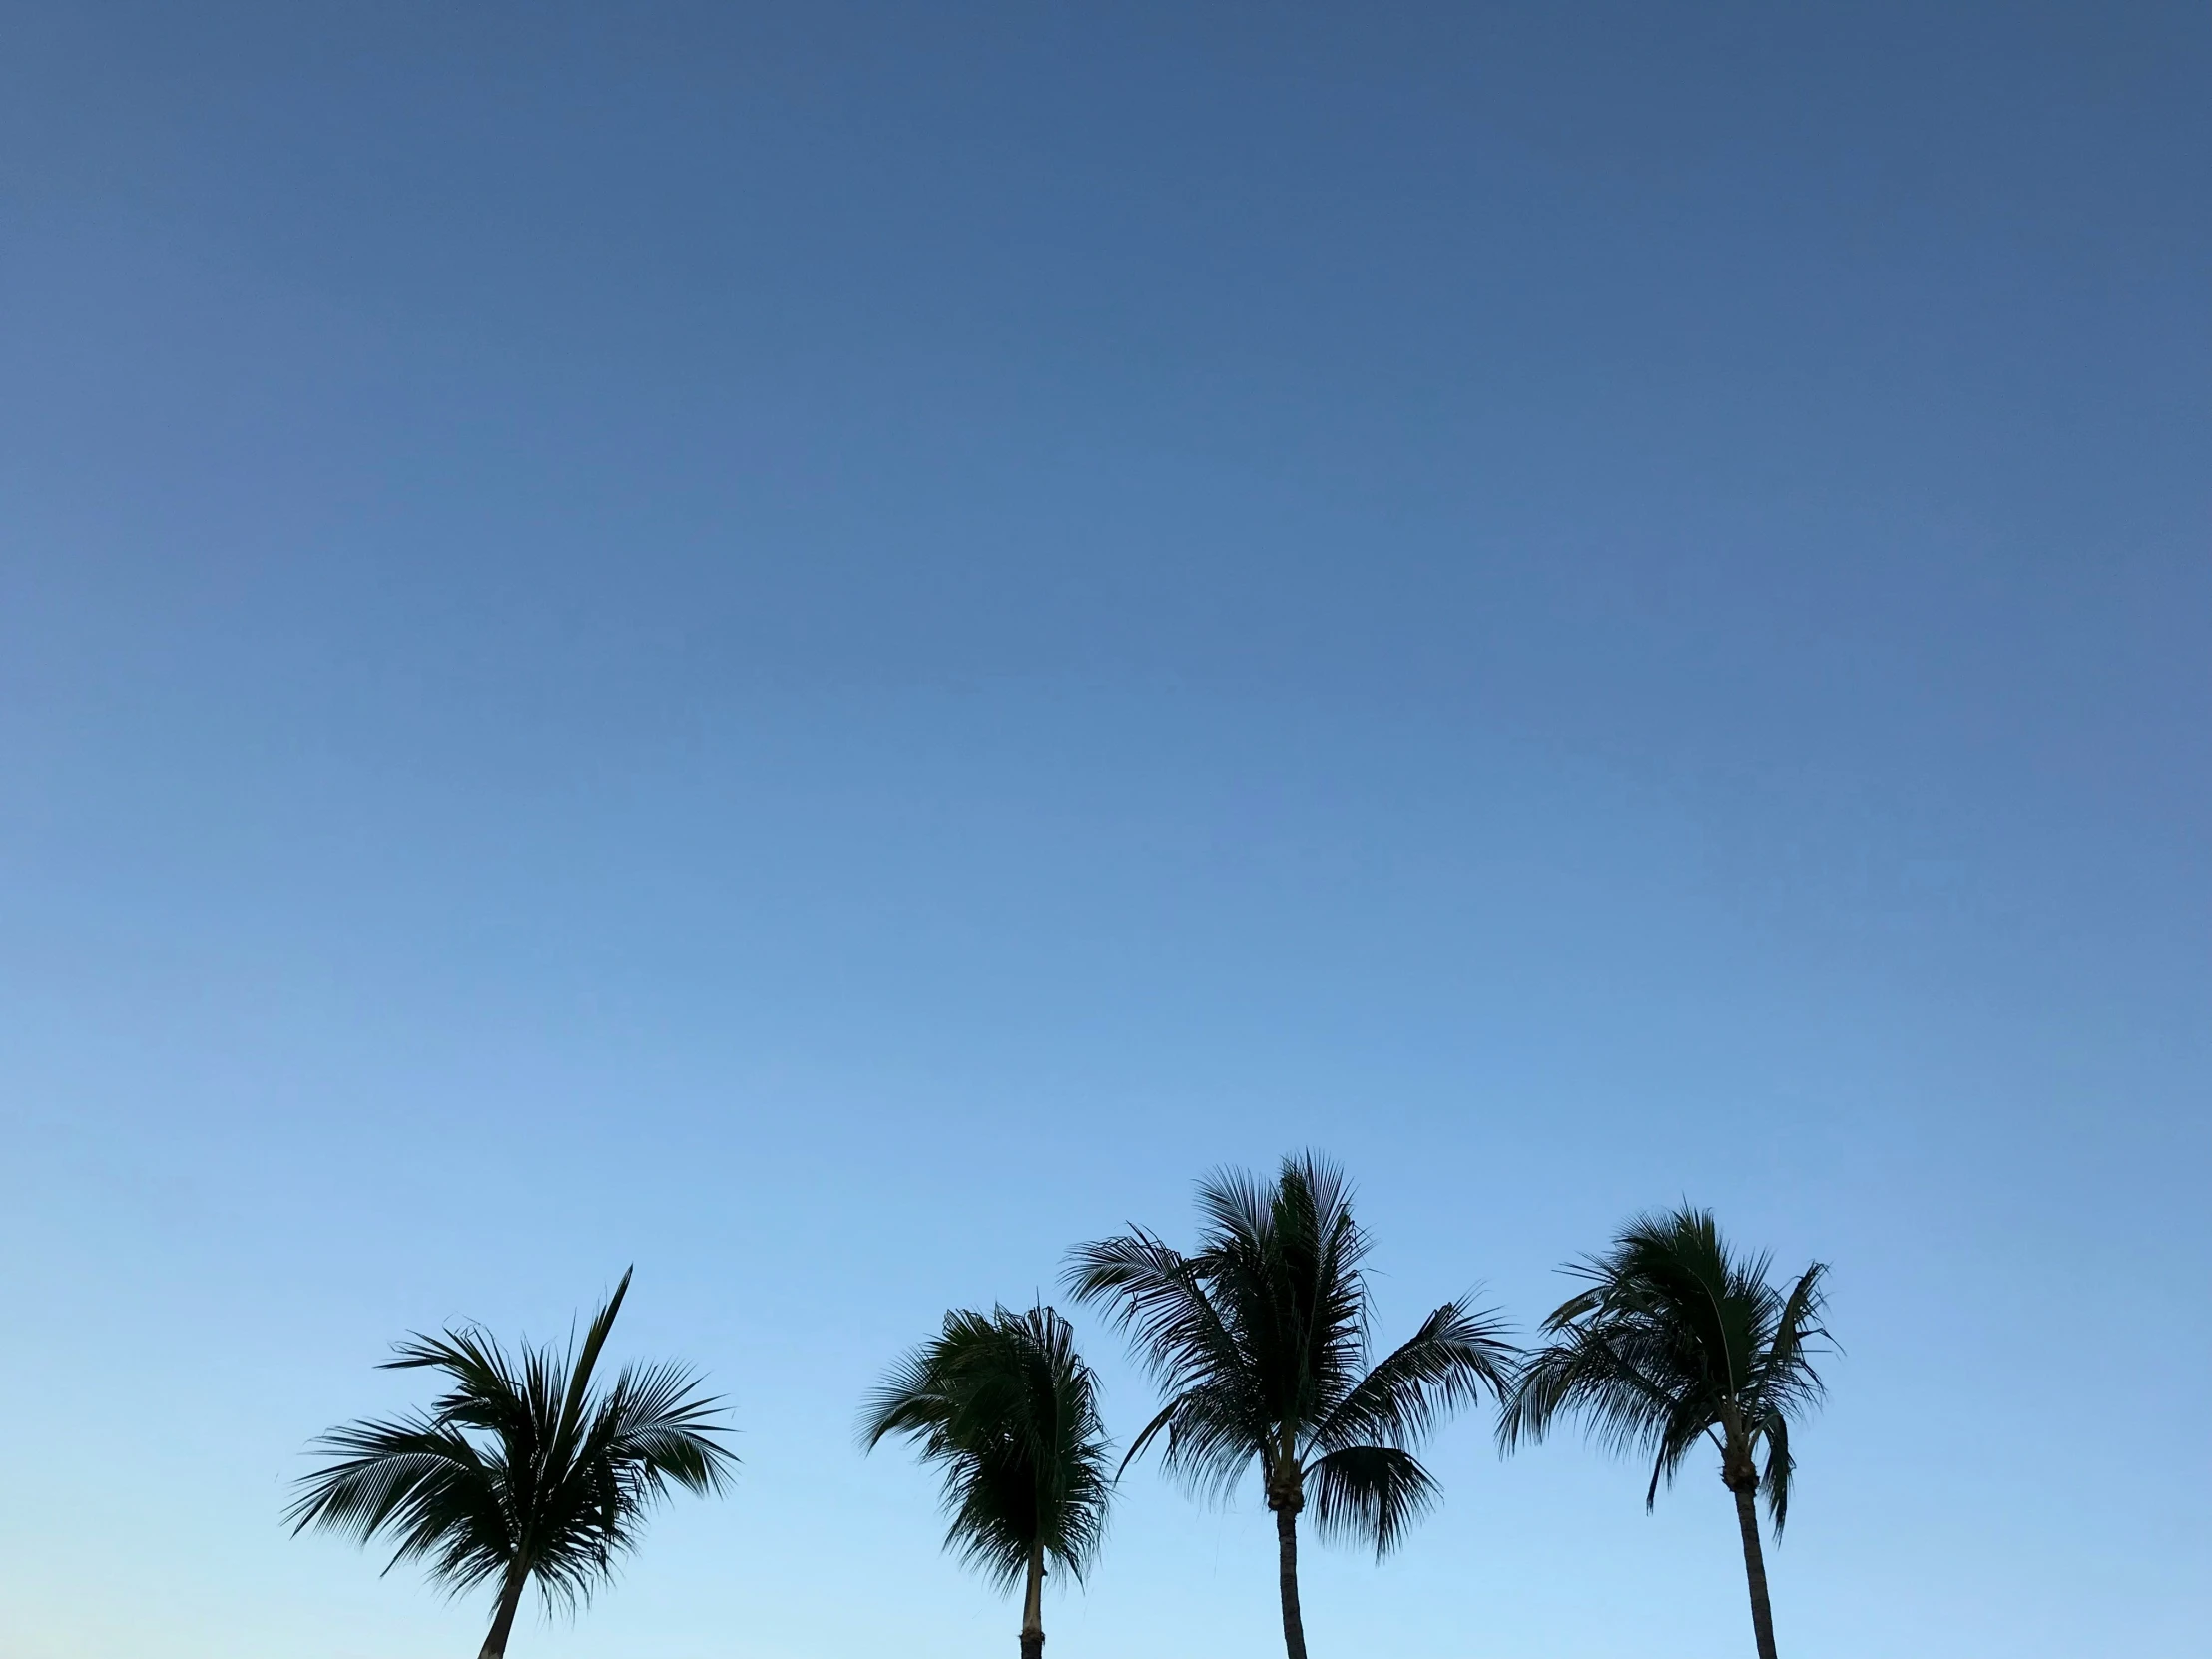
1032 1607
510 1598
1754 1569
1286 1542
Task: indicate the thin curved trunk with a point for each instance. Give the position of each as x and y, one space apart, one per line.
1755 1570
503 1621
1286 1542
1032 1607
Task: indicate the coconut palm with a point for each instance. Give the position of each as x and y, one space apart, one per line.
520 1472
1008 1408
1259 1341
1679 1341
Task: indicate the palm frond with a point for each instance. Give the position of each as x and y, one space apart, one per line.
1785 1375
1189 1319
1444 1365
419 1484
581 1365
1370 1493
1161 1298
1774 1480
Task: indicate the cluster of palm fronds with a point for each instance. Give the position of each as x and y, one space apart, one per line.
520 1473
1008 1411
1259 1341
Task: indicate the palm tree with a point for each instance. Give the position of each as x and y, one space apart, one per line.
519 1471
1259 1341
1678 1341
1008 1409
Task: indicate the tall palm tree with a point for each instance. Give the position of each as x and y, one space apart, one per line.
1680 1340
1259 1341
519 1471
1008 1409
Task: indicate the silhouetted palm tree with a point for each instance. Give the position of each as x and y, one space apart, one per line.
1259 1338
1008 1409
519 1471
1676 1341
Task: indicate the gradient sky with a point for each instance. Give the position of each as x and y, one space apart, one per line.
827 647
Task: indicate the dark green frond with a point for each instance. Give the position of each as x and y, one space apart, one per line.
1443 1367
1774 1480
1369 1493
1160 1297
579 1369
1218 1416
419 1485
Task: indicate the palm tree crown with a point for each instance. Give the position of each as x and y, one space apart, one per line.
1678 1341
1004 1405
519 1471
1259 1338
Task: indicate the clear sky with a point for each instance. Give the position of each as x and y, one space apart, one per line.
827 647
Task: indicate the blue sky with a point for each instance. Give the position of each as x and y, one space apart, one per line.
826 649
